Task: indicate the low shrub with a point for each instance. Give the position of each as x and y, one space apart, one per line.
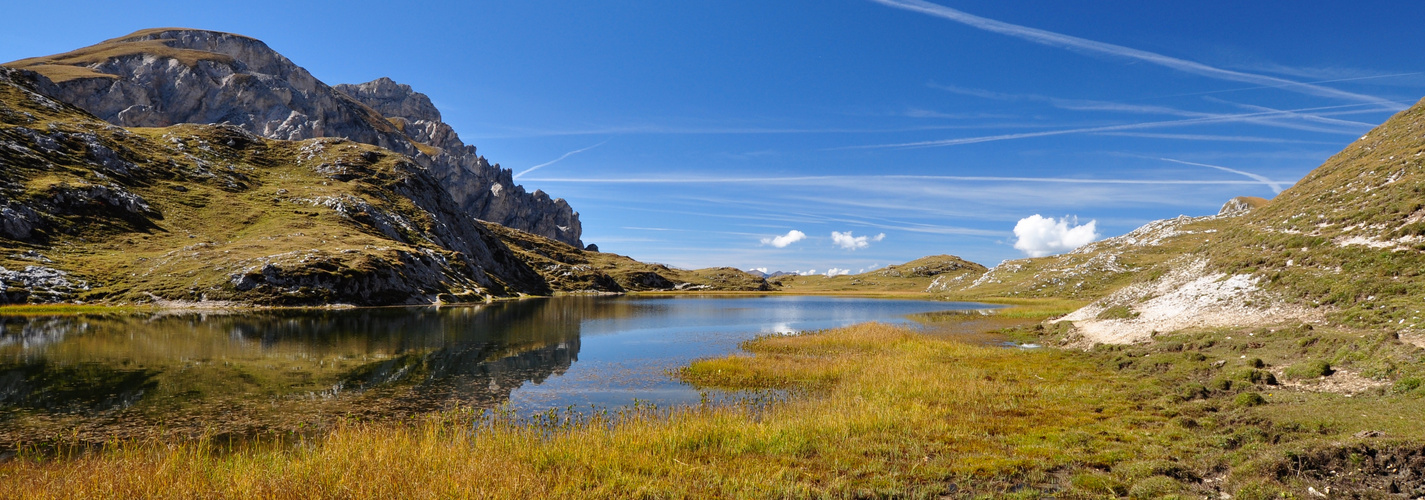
1309 369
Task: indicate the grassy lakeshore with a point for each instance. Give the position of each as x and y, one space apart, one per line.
875 411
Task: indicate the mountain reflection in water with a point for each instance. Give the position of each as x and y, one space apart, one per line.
93 378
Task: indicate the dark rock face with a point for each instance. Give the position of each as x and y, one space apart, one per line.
231 79
18 222
479 187
157 78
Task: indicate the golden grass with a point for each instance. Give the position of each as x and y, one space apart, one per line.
99 53
70 309
62 73
891 413
870 410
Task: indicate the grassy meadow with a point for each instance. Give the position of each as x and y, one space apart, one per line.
866 411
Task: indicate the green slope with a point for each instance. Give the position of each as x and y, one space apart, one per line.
192 213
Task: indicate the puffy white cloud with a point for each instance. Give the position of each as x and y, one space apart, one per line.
1039 236
792 236
846 241
837 272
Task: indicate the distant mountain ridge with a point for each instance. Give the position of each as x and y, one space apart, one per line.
166 76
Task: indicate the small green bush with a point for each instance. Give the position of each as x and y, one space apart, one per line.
1249 399
1309 369
1221 384
1256 377
1193 391
1407 384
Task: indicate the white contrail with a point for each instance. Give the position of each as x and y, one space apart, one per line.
1090 105
1247 117
1303 116
1072 42
1372 77
519 132
1276 186
814 178
1218 138
556 160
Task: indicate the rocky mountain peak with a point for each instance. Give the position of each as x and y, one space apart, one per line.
251 53
410 111
166 76
395 100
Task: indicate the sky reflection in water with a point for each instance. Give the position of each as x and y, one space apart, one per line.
112 375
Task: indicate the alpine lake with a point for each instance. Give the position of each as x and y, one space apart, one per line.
89 379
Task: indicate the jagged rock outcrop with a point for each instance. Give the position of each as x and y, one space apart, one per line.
162 77
36 284
1241 205
166 76
479 187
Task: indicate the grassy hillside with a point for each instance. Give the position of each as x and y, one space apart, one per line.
1099 268
192 213
912 277
1345 245
1350 236
574 270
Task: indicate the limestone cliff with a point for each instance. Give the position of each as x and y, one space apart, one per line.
167 76
213 213
479 187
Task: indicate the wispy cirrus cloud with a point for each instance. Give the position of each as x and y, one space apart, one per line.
1060 40
846 179
1211 119
1304 116
1215 138
1289 119
927 113
528 132
1260 87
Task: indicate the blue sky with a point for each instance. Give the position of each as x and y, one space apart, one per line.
694 133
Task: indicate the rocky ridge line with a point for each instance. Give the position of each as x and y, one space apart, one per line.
161 77
479 187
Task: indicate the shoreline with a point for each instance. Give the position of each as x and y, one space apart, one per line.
224 306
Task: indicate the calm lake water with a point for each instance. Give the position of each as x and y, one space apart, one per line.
97 377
